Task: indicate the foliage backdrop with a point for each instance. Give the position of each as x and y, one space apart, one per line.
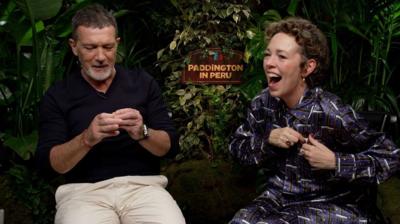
364 39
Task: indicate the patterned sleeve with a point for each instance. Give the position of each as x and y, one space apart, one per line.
373 157
249 144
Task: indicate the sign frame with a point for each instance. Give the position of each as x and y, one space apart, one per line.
214 66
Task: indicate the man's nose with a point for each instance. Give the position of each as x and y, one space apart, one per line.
100 55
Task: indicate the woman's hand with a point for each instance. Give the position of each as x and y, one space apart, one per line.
318 155
284 137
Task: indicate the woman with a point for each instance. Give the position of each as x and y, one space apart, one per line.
317 150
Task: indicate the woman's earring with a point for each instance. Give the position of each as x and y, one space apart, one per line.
304 79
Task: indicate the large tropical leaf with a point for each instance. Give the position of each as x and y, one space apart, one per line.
40 9
23 146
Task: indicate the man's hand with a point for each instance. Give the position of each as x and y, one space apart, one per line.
102 126
131 121
318 155
284 137
65 156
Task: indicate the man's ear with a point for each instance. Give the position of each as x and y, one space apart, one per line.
310 66
72 43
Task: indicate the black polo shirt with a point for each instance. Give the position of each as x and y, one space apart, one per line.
70 105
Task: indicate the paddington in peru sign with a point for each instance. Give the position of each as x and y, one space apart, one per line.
214 66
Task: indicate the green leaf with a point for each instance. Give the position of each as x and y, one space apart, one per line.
5 93
229 10
23 146
187 96
292 7
121 13
246 13
26 39
160 53
353 29
172 45
65 32
271 15
40 9
4 19
393 101
180 92
174 3
236 17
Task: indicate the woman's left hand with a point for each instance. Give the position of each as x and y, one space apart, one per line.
318 155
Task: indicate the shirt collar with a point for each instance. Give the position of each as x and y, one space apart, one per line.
305 106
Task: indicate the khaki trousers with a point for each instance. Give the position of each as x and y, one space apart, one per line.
120 200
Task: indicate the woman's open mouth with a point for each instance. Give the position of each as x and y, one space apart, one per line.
273 80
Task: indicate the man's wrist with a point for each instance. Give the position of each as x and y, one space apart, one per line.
145 133
84 140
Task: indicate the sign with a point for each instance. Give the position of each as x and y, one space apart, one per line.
214 66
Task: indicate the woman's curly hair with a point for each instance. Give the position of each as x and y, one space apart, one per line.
312 41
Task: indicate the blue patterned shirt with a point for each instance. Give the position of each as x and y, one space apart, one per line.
362 155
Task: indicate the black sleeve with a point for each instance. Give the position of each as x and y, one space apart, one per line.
52 131
157 117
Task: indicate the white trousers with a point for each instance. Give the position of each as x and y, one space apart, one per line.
120 200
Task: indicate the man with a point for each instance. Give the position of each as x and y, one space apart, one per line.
104 128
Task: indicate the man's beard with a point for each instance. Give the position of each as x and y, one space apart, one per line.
99 77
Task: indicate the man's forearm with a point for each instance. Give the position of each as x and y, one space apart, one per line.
65 156
158 143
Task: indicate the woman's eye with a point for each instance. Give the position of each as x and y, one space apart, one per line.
282 56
